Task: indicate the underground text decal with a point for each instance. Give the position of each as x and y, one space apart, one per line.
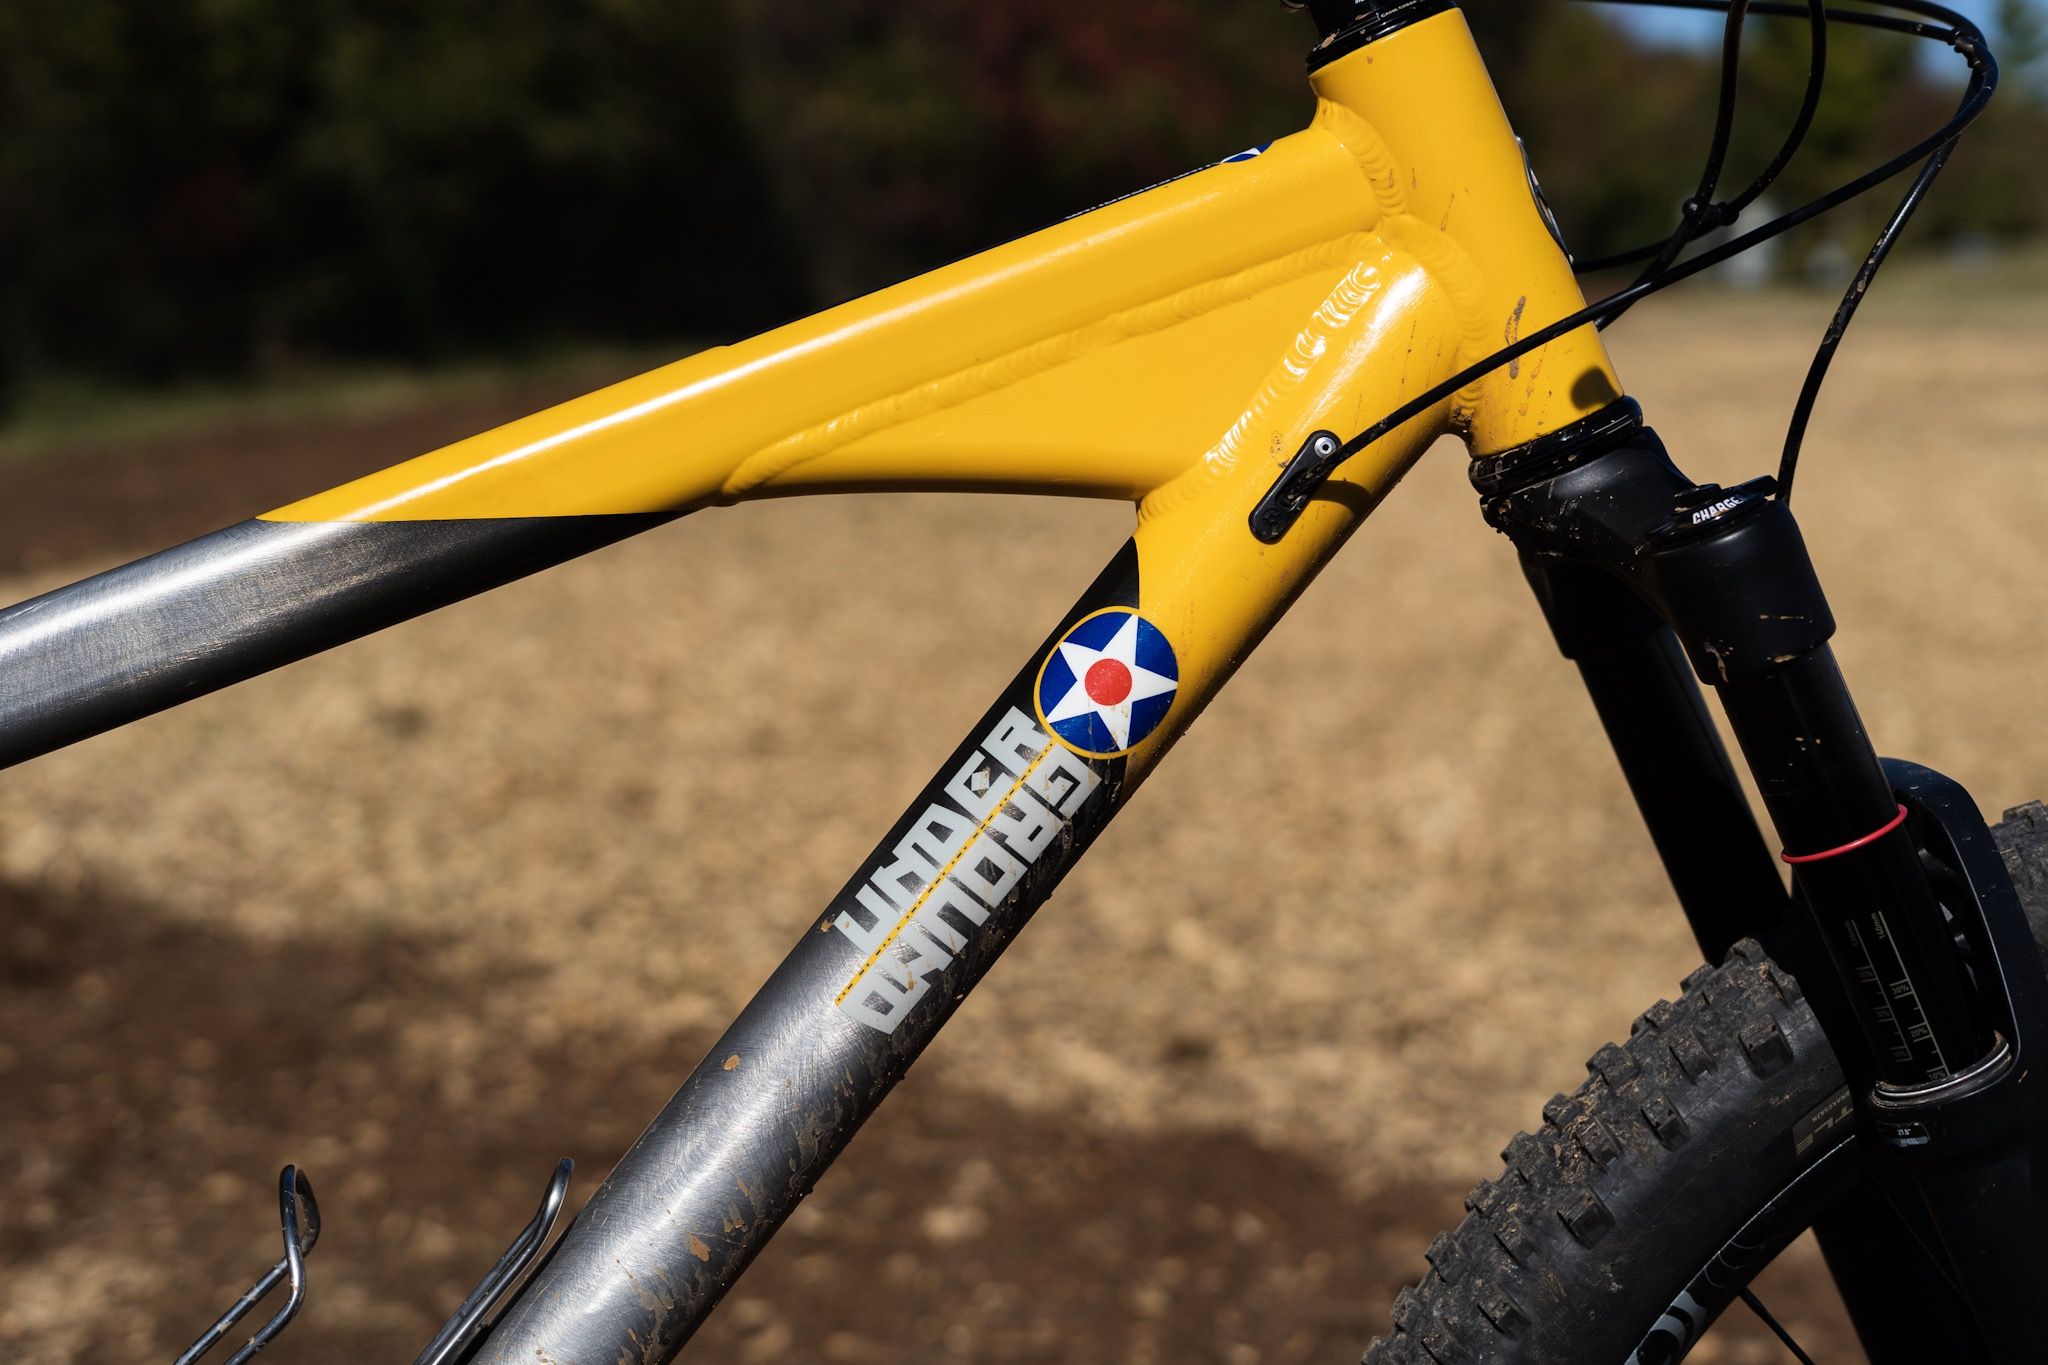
961 859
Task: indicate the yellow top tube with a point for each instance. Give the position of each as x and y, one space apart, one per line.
1173 348
1109 354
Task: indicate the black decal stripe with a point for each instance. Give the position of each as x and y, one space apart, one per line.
148 635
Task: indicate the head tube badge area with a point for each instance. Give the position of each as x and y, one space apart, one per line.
1107 684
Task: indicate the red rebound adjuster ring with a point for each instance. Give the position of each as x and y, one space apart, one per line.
1797 858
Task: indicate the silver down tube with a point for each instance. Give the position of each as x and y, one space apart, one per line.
837 1025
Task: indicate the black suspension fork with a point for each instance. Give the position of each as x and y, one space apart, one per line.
1633 562
1671 755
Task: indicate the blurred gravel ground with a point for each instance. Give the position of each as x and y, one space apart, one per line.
430 911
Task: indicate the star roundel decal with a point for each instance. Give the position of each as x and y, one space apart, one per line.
1108 683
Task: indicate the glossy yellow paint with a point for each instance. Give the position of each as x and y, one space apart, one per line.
1469 211
1174 348
1206 582
1466 263
1099 357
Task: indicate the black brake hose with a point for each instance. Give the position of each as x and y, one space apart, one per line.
1729 212
1311 467
1859 287
1700 211
1967 40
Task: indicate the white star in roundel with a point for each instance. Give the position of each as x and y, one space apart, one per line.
1108 683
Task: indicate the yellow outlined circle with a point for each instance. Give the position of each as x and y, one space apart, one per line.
1038 683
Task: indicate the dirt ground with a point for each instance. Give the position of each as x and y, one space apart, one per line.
429 912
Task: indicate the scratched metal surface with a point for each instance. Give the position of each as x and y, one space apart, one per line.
778 1097
186 621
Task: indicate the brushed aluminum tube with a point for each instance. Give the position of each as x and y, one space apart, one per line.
810 1058
228 606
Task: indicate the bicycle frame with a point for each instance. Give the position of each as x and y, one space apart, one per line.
1173 349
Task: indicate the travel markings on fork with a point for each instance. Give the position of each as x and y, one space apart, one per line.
961 859
1893 1002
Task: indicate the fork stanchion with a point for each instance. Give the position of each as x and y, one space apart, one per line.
1670 753
1929 1046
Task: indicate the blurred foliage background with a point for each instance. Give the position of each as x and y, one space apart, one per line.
222 189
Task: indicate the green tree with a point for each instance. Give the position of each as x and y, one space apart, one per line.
195 186
2022 30
213 186
908 134
1994 186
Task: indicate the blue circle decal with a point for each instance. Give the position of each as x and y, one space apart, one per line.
1108 683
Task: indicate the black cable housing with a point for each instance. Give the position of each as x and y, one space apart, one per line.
1962 36
1859 287
1948 26
1700 212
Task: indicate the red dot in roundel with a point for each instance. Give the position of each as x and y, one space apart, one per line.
1108 682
